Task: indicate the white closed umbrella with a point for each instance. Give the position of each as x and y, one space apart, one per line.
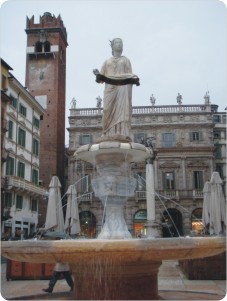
72 221
217 205
206 204
54 215
214 205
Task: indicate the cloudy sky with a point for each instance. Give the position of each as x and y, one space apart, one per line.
174 46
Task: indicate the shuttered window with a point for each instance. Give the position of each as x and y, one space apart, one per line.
10 166
20 169
21 137
168 139
85 139
198 179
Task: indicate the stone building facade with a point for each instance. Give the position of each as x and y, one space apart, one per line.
21 192
182 135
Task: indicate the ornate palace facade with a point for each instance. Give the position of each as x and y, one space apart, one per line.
184 138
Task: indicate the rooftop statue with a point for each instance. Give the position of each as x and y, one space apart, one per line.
207 98
117 74
99 102
179 99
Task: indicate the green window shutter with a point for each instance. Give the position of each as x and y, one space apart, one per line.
8 200
35 147
19 202
13 101
23 110
21 137
10 129
10 166
20 169
35 176
36 122
24 136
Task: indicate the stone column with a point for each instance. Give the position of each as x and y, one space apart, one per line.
151 225
183 172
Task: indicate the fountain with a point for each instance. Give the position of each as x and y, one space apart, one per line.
114 266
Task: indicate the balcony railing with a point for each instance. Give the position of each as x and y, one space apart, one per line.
20 185
170 109
85 197
145 110
172 194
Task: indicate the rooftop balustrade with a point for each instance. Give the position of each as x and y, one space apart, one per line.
145 110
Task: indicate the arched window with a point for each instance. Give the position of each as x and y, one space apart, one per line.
172 223
38 47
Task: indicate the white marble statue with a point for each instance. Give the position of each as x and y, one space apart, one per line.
117 100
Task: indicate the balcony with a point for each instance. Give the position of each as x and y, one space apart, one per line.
140 195
85 197
172 194
21 185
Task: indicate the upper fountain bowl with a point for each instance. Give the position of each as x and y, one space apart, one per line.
133 152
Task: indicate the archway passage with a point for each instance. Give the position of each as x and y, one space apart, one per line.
172 223
197 223
87 224
139 220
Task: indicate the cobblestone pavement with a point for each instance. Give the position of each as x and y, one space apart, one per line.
172 284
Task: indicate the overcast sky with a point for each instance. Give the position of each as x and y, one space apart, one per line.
174 46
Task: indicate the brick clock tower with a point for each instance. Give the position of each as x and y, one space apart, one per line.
46 81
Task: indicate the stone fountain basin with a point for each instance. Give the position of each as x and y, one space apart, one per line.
119 251
135 152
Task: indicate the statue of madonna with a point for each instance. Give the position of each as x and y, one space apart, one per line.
117 74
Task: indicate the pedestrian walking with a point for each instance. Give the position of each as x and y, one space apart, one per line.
60 268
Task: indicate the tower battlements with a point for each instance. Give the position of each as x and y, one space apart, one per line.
47 22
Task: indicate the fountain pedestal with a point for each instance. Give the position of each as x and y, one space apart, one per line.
131 281
113 184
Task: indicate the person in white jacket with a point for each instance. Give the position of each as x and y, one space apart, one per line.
60 268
